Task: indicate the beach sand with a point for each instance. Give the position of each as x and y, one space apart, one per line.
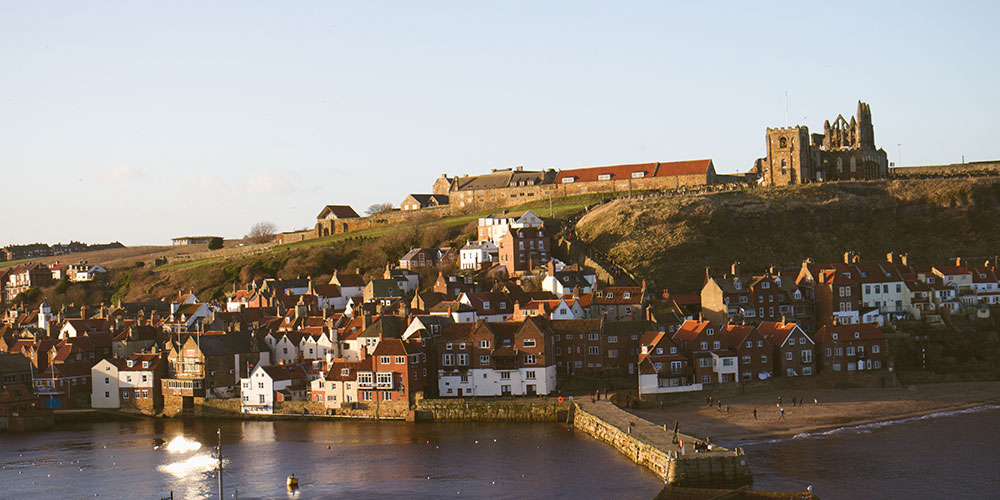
833 408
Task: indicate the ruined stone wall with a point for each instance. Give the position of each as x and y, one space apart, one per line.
954 170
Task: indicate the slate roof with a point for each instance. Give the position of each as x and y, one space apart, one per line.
619 172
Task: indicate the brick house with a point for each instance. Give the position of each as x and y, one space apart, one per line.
755 352
849 348
793 351
208 366
707 349
619 303
24 277
420 258
663 367
496 359
523 250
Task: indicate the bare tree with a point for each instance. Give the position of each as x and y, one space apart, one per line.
379 208
261 232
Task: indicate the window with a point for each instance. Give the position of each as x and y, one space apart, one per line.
593 350
749 344
384 379
593 336
613 339
461 345
612 353
484 360
261 399
504 375
604 177
529 359
704 362
529 375
836 367
703 345
529 343
791 341
386 396
807 356
260 385
788 355
850 351
448 346
706 379
366 395
484 344
383 360
463 359
716 345
876 348
745 360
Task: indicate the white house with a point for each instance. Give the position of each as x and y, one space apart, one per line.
476 255
494 227
258 391
563 282
104 385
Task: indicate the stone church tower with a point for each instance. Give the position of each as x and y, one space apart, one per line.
788 160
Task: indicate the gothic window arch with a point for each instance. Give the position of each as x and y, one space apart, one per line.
854 165
840 165
783 142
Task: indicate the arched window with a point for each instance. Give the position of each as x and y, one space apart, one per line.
783 142
854 165
840 165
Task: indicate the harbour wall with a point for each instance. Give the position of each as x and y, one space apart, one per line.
492 410
652 447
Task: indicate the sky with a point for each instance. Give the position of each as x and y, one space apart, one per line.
143 121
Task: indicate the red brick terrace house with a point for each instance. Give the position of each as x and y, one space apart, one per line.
793 350
755 352
708 350
850 348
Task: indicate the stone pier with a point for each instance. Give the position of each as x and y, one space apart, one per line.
653 447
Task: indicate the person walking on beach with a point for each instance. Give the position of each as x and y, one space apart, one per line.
727 409
793 401
720 406
779 400
781 414
709 400
755 414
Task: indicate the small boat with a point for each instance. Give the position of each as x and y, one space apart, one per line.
292 482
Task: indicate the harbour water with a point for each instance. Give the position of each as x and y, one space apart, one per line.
949 455
146 459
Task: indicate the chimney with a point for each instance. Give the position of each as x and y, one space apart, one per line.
847 257
576 292
888 257
83 312
904 259
958 261
735 268
520 169
551 267
856 259
364 319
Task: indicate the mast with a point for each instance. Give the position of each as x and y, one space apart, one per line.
219 431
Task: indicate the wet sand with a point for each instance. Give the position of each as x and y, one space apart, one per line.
823 409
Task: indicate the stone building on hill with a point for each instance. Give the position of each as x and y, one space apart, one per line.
330 219
499 188
844 151
637 177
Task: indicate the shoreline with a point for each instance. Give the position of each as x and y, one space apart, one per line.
836 408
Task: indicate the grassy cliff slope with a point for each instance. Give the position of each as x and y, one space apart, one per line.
672 240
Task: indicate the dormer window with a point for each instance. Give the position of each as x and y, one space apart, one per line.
835 336
611 295
145 364
710 331
486 304
638 175
627 295
130 363
765 284
345 372
568 180
737 285
857 335
604 177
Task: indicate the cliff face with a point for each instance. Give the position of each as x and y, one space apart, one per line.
672 240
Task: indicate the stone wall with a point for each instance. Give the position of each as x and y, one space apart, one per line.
691 469
980 168
641 453
492 410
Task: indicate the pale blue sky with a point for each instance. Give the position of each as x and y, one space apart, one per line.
141 121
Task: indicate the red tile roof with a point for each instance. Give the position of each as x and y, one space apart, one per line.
618 172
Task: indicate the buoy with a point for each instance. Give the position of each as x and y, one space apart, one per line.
292 482
328 447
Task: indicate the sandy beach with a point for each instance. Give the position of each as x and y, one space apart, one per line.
823 409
